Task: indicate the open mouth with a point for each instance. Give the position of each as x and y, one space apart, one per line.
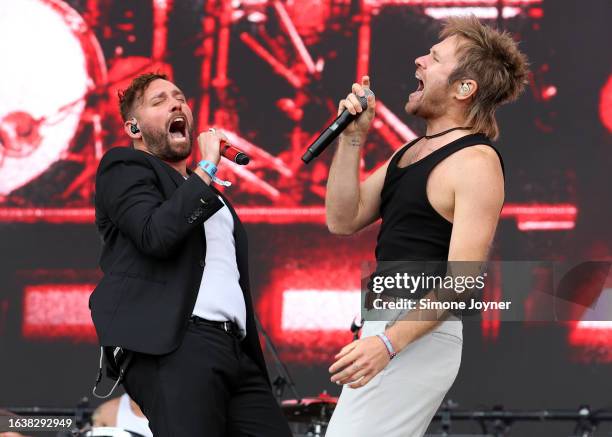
420 83
416 94
178 128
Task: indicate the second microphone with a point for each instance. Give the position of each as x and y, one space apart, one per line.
234 154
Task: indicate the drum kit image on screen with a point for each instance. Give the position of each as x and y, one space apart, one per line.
58 107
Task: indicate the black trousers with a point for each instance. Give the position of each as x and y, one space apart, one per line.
208 387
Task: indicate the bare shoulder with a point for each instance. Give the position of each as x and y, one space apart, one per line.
479 154
477 177
477 163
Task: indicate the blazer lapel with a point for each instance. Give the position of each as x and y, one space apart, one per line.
176 177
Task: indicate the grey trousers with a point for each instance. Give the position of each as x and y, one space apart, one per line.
402 399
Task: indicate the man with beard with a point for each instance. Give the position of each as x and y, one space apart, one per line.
175 292
439 198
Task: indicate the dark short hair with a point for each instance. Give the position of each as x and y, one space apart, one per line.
135 91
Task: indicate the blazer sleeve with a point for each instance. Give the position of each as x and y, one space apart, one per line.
133 201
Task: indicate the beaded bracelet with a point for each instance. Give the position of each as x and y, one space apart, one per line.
388 345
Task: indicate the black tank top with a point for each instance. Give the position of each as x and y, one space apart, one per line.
411 228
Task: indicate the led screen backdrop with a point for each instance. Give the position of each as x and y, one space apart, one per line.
270 74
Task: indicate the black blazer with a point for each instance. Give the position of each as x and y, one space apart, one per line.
153 252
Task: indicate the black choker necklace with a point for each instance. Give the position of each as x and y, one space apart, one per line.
429 137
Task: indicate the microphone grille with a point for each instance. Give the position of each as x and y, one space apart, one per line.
242 159
364 99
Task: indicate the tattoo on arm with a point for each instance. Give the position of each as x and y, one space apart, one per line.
355 142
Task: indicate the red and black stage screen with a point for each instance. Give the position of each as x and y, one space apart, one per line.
270 74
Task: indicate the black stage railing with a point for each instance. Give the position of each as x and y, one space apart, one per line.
495 422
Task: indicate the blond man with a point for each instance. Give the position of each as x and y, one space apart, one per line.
439 198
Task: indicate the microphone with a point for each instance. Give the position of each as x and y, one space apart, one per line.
356 326
234 154
335 129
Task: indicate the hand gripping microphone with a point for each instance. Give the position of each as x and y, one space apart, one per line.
335 129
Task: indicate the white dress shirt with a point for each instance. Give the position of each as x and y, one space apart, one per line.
129 421
220 297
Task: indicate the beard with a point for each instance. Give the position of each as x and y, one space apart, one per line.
160 144
431 104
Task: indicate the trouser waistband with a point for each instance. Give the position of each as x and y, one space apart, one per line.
229 327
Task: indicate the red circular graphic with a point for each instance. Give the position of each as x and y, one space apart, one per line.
605 104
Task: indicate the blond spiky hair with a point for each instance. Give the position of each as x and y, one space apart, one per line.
493 60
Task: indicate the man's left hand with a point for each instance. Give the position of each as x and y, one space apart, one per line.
357 363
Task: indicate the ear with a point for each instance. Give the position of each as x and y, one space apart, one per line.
128 125
465 89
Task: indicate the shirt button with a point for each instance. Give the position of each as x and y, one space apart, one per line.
202 263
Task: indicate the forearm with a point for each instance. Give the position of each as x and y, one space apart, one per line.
342 197
404 332
425 318
156 225
160 231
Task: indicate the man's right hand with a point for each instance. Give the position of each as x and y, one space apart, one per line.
361 125
209 143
